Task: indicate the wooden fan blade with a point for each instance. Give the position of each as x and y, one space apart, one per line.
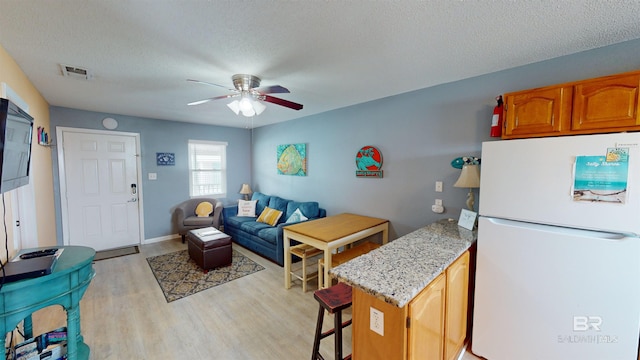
282 102
212 84
213 98
275 89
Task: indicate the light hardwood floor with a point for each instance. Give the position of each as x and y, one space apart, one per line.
125 315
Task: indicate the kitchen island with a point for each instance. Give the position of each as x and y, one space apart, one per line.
410 296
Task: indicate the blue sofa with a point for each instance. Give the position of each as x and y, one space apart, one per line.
262 238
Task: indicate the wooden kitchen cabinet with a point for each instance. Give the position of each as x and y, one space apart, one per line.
607 103
600 105
545 111
457 306
432 326
426 322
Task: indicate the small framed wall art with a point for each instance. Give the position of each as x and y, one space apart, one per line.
164 159
292 159
369 162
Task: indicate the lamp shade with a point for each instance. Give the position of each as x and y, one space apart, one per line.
469 177
245 190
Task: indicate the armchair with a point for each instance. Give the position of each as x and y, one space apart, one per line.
186 218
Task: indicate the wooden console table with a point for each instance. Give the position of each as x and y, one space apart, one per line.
65 286
328 234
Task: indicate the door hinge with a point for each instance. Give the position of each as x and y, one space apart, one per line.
408 322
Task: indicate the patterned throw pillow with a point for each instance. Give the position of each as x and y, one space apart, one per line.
297 216
269 216
247 208
204 209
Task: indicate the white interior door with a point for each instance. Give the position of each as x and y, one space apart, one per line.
99 170
25 230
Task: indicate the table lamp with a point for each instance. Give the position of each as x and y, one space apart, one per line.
245 190
469 178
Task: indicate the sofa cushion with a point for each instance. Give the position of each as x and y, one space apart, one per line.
263 200
247 208
278 203
270 216
237 221
269 234
310 209
253 227
197 221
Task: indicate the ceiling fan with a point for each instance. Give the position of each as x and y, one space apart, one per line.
250 95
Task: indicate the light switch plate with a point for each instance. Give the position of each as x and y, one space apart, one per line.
438 186
153 176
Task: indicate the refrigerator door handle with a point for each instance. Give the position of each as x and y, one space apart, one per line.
602 235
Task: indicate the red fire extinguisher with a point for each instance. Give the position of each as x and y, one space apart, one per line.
496 121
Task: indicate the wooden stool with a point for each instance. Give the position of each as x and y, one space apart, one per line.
343 257
334 299
304 251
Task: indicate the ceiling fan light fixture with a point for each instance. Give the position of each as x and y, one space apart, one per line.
234 106
249 112
250 96
245 105
258 107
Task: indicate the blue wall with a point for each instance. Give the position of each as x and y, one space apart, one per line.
172 185
419 134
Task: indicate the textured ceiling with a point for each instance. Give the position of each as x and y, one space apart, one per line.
329 54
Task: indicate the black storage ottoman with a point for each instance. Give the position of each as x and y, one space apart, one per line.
209 248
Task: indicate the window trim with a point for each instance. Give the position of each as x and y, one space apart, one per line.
194 143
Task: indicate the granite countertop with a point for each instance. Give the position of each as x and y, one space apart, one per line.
401 269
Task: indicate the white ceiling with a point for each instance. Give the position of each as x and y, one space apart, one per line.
329 54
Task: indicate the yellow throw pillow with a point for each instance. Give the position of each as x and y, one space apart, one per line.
269 216
204 209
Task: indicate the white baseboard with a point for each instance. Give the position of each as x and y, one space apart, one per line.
159 239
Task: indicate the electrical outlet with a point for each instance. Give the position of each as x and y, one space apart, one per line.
439 202
376 321
438 186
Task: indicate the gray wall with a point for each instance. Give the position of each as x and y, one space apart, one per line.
172 185
419 134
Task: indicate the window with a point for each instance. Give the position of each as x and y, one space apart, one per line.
207 168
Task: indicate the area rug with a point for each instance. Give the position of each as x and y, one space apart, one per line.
108 254
179 276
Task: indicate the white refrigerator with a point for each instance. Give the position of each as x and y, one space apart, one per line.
558 257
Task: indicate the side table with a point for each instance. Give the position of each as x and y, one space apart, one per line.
65 286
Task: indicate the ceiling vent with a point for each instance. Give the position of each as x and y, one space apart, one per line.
76 72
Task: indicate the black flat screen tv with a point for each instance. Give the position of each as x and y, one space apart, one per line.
16 130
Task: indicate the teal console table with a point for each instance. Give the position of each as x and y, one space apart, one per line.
65 286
